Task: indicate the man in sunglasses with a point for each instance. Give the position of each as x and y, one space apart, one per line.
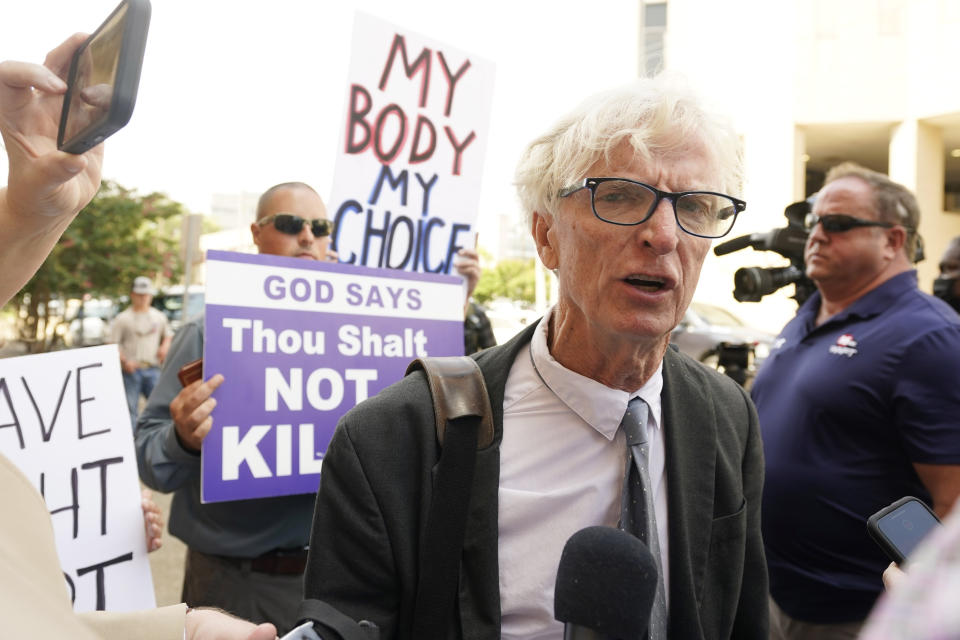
859 406
247 556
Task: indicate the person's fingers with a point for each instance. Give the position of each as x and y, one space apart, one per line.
265 631
23 75
201 431
892 575
57 167
98 95
213 382
191 410
58 60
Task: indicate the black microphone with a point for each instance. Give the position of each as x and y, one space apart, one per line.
736 244
606 583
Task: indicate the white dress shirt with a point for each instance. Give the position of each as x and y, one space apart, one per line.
561 469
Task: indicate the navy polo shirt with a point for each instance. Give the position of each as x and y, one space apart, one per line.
845 409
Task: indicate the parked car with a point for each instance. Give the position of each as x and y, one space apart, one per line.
705 327
171 302
91 327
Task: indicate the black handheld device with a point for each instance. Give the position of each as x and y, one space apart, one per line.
900 527
103 79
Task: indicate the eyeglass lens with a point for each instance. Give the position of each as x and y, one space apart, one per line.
838 222
699 213
291 224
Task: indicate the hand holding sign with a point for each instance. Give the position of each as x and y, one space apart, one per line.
191 410
152 520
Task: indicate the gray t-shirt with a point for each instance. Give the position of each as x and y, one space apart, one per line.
139 334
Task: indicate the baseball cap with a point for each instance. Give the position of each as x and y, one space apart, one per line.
142 284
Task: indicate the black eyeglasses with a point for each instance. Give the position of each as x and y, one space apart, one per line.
293 225
841 222
706 214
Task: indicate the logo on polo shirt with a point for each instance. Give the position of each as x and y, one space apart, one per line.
845 346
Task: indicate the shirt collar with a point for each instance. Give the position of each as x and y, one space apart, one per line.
597 404
870 304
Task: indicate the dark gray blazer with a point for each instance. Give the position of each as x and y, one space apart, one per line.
375 493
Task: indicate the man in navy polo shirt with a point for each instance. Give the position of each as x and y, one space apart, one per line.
859 405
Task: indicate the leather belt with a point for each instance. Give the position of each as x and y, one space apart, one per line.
277 562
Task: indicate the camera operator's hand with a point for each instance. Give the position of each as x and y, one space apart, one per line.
46 187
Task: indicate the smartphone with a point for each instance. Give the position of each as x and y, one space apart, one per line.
103 79
900 527
190 372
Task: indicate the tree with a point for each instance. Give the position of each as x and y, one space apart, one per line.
117 237
511 278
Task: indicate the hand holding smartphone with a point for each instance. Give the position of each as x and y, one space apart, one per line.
103 79
900 527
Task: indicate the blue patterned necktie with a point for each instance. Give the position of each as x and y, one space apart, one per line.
637 515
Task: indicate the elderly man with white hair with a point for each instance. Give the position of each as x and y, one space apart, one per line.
622 197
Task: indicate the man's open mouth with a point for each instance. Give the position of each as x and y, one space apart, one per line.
645 282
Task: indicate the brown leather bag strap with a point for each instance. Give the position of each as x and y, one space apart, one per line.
464 424
458 390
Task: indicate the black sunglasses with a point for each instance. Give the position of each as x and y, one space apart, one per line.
840 222
292 225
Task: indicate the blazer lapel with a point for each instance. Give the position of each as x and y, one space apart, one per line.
691 444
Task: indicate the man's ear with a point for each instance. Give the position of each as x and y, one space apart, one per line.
542 226
255 230
896 241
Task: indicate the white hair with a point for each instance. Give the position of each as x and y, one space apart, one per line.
660 117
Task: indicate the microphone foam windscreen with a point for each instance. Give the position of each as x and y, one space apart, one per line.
606 582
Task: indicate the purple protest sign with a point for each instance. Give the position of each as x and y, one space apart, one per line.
299 343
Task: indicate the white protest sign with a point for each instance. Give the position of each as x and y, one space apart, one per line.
407 180
64 422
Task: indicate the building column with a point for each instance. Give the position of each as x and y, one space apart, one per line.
917 161
799 163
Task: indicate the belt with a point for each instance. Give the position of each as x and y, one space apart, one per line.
278 562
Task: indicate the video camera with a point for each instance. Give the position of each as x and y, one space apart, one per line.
750 284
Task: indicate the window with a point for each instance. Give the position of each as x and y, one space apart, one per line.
654 28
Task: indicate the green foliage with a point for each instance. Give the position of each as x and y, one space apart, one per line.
118 236
512 278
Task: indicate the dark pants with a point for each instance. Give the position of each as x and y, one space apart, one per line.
211 581
139 383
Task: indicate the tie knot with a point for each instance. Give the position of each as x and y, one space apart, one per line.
634 422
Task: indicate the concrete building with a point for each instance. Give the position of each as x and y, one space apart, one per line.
811 83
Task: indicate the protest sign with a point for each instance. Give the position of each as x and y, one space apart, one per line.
299 343
64 422
407 180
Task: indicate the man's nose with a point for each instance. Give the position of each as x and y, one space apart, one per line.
306 234
817 233
660 230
